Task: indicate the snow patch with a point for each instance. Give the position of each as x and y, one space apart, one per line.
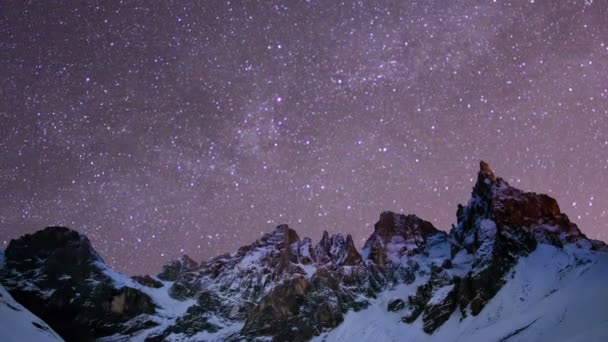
440 295
309 269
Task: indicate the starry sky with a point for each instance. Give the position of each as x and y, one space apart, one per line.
169 127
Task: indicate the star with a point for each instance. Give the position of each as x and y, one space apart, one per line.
158 130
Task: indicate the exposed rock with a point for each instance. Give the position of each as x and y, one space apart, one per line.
499 224
300 308
176 268
343 251
180 291
337 250
427 294
246 276
395 305
322 249
441 306
487 170
306 254
376 251
56 274
196 320
277 313
351 255
148 281
397 235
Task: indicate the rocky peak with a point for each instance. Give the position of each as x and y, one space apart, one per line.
351 255
174 269
514 210
250 273
406 226
396 235
306 255
55 273
343 251
487 182
322 249
53 247
499 224
281 236
337 250
485 169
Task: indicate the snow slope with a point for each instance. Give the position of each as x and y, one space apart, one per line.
552 294
17 324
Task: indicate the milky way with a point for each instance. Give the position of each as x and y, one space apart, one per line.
161 128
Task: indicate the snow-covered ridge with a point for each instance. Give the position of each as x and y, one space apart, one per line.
553 294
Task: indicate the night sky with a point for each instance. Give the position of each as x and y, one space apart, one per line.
168 127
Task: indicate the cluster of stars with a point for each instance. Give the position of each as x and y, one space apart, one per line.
194 127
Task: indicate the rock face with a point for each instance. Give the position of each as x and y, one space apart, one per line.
174 269
435 300
283 278
148 281
395 305
337 250
396 236
499 224
300 308
56 274
285 288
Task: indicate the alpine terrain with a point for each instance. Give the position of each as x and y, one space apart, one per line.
513 268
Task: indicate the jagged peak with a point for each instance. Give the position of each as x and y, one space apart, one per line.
322 248
487 182
408 231
55 236
184 259
486 170
391 223
517 211
173 269
352 255
54 239
337 249
281 234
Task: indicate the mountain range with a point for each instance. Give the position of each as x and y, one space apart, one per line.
512 268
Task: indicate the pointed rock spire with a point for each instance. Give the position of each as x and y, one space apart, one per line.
351 255
322 249
486 170
306 255
484 167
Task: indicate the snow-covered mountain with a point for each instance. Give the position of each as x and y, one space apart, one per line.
514 268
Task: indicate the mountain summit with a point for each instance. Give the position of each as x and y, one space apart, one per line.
514 267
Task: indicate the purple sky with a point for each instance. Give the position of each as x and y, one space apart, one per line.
158 128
